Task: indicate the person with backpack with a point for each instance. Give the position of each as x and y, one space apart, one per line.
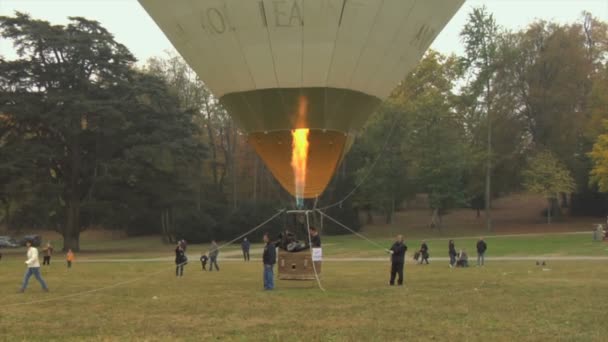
424 253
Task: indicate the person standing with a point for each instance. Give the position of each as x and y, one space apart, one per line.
269 258
424 253
180 260
69 257
245 245
213 253
452 253
48 251
481 251
397 252
33 268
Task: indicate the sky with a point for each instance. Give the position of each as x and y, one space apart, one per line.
132 26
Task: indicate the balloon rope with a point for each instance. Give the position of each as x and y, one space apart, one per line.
314 267
369 172
351 230
148 275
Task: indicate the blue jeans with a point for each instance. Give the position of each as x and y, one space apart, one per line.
480 259
268 277
36 272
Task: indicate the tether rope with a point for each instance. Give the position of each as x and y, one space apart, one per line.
314 267
369 172
351 230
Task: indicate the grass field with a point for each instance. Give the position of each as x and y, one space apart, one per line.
503 301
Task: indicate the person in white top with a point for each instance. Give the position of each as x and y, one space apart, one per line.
33 267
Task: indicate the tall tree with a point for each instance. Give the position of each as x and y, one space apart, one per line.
480 36
73 101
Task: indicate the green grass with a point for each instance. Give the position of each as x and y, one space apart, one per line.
353 246
505 301
543 245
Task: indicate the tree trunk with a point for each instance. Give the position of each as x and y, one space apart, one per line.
71 231
549 209
488 194
211 137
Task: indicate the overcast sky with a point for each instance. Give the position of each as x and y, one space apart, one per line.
131 25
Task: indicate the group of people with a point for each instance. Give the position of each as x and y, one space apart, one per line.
33 264
457 259
181 259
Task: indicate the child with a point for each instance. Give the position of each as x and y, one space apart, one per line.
204 259
69 258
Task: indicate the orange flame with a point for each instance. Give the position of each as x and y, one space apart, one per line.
299 157
299 152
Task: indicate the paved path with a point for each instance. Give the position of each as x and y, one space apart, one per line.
371 259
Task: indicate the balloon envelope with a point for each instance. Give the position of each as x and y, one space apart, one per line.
264 59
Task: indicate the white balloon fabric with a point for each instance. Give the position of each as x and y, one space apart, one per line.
322 65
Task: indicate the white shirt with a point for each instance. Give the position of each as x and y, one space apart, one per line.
32 257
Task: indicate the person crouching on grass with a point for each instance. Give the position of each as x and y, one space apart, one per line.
69 257
33 268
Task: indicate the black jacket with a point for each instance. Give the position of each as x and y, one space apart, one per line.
270 254
245 245
315 241
481 246
452 249
180 256
424 248
398 249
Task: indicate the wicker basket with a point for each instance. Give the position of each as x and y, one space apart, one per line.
297 265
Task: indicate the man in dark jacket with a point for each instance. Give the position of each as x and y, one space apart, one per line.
452 253
481 251
269 258
180 260
245 247
397 252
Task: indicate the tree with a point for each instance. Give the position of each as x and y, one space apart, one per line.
386 185
101 138
547 176
435 137
599 156
480 36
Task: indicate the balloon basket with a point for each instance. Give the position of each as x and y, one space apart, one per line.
297 265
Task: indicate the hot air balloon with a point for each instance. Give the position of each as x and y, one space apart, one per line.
300 77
